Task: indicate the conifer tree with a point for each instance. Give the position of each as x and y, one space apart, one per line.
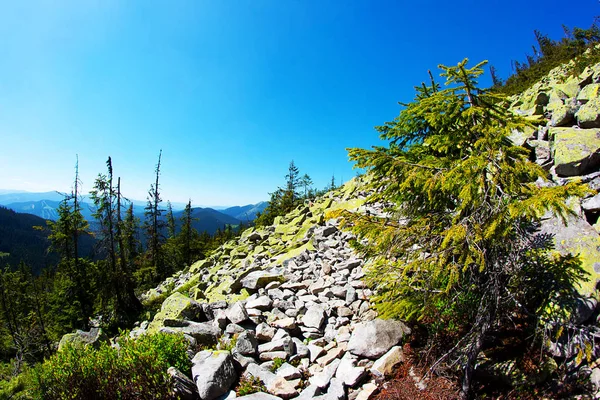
73 292
154 225
465 198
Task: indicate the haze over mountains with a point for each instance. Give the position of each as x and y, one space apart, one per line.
208 219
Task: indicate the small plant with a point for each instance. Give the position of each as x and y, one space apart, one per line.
250 385
137 370
277 363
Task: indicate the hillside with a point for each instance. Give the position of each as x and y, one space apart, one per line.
292 310
298 282
245 213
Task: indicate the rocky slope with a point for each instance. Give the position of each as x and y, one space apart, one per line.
287 306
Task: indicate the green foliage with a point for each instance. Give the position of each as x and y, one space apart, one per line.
277 363
464 198
250 385
137 369
578 45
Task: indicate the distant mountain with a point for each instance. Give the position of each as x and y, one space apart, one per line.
208 219
47 209
21 197
245 213
20 241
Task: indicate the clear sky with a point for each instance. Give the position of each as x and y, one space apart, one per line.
230 90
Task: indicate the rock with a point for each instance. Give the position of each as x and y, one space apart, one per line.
285 344
331 355
366 391
237 313
309 393
246 344
80 339
177 306
588 115
374 338
262 303
336 390
213 373
591 204
577 238
285 323
585 308
272 355
183 387
264 332
563 115
240 361
259 396
588 93
384 366
288 372
575 151
205 333
314 317
595 378
260 279
315 351
275 384
348 372
323 378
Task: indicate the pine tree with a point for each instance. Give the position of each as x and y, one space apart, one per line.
307 182
465 199
154 225
73 294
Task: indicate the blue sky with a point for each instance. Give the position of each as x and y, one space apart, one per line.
230 90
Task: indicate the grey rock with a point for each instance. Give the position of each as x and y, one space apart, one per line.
264 332
259 396
246 344
183 387
591 204
336 390
288 371
374 338
348 372
260 279
213 373
323 378
314 317
237 313
262 303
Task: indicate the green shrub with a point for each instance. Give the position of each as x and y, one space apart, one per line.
250 385
277 362
136 370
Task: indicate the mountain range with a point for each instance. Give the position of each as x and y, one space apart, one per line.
207 219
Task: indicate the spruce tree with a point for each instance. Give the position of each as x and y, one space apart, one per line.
465 199
154 226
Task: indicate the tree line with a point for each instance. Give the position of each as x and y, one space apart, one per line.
36 309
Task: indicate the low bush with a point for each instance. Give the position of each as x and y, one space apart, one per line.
136 369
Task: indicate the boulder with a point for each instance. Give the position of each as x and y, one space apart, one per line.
237 313
79 338
246 344
588 115
577 238
259 396
385 365
259 279
177 306
315 316
213 373
348 372
575 151
183 387
374 338
205 333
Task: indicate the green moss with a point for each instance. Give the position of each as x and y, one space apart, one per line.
176 306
